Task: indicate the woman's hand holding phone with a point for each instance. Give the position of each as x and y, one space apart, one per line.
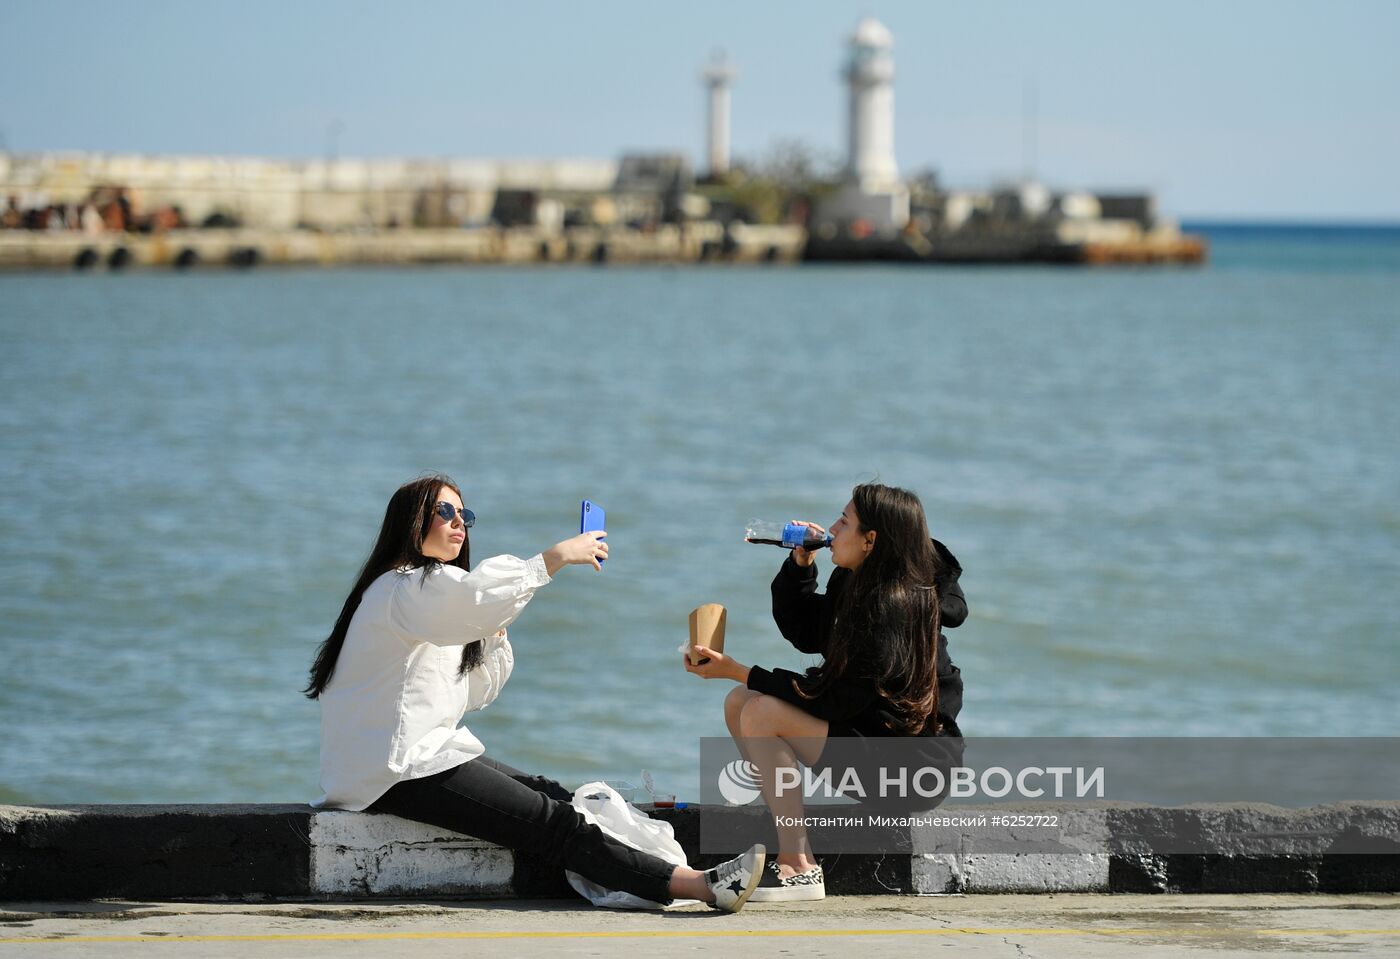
585 549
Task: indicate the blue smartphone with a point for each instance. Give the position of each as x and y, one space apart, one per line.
591 517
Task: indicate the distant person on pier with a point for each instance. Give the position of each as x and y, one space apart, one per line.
13 217
90 220
420 642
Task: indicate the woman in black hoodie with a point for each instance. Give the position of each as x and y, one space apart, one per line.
885 671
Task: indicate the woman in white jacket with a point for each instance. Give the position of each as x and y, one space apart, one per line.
420 642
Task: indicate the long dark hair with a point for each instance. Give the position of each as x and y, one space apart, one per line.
407 521
886 618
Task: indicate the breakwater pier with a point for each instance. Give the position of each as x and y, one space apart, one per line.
97 211
667 244
246 248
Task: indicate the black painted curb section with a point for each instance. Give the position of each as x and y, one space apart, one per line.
1342 873
154 852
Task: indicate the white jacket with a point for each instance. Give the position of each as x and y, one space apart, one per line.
391 709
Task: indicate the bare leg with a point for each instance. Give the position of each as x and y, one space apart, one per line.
778 734
734 703
687 883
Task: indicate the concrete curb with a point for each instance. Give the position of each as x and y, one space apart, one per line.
292 851
154 852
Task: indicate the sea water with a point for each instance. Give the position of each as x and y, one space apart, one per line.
1175 493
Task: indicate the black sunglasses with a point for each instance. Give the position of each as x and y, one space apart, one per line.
448 512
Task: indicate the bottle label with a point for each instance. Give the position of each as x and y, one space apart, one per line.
794 535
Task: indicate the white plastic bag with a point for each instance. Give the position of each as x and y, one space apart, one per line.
601 805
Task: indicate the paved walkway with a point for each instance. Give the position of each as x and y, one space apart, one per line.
1072 925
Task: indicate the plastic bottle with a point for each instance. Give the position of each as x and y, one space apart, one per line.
786 535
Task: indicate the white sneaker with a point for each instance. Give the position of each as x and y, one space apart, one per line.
806 886
733 882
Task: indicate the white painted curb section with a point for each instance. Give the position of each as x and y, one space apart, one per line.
359 854
939 873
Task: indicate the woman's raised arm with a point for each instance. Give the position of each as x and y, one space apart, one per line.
452 607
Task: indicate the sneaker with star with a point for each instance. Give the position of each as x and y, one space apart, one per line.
733 882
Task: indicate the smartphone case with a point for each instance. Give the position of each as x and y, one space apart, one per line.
591 517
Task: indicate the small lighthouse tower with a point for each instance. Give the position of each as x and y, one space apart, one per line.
872 192
717 76
870 76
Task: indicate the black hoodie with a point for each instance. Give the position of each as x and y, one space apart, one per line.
804 617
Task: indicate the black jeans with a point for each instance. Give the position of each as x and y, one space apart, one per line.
492 801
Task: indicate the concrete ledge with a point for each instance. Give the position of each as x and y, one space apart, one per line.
154 852
935 873
362 855
292 851
706 242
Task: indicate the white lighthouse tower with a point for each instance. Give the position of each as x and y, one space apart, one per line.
717 76
872 193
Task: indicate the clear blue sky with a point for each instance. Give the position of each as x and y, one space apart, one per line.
1230 108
